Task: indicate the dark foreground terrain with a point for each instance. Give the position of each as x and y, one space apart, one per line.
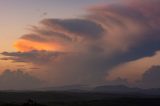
76 99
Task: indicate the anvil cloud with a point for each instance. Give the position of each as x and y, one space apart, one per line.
83 50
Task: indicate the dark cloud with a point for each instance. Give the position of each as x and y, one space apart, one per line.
80 27
66 30
36 57
150 78
18 80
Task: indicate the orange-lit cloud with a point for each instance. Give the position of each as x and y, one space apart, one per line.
26 46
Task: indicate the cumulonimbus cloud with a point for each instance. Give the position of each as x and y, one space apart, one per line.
150 78
109 35
18 80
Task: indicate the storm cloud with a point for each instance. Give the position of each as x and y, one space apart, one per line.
150 78
18 80
107 36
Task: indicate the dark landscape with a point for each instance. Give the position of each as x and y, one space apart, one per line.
119 96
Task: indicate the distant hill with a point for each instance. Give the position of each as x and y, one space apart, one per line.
122 89
119 89
154 91
74 88
116 89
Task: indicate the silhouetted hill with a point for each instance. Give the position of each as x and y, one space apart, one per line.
116 89
76 88
113 89
122 89
153 91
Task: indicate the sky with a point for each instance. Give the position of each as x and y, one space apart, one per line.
85 42
17 15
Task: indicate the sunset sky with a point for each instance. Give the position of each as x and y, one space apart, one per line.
79 42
